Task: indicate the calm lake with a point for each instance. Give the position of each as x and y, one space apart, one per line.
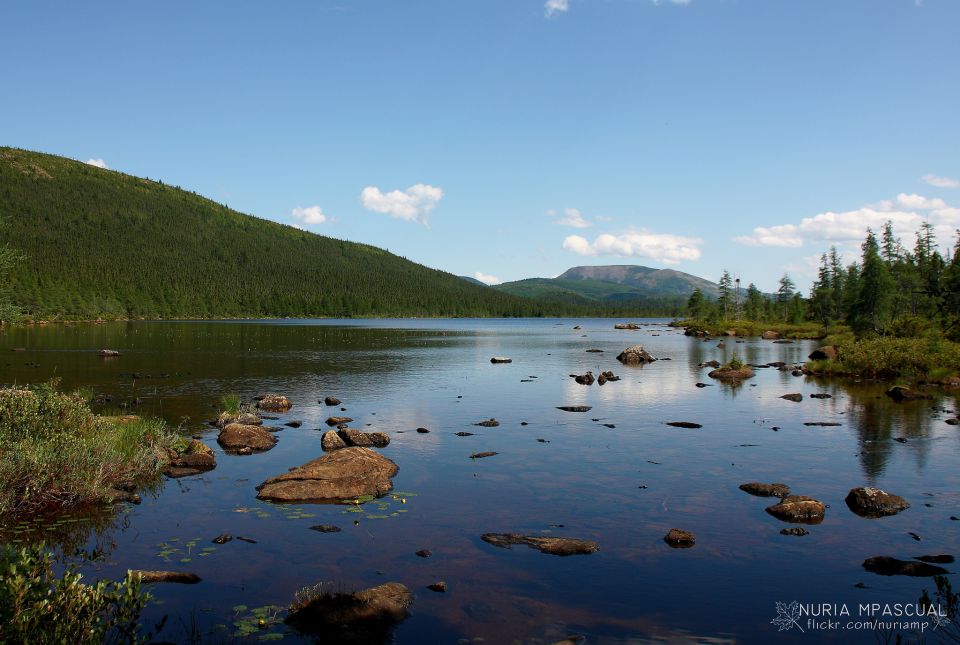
623 486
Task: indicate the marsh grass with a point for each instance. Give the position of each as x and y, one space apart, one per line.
56 455
932 359
748 328
230 403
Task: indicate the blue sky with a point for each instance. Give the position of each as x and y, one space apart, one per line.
514 138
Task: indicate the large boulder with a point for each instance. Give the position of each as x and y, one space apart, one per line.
366 616
236 436
551 545
336 476
332 441
626 326
731 374
274 403
770 335
873 502
197 458
827 352
635 355
353 437
798 509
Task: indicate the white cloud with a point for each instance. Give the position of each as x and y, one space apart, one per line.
310 215
906 212
941 182
571 217
556 6
413 204
670 249
487 279
98 162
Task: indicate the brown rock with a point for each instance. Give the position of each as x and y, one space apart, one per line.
873 502
770 335
680 539
552 545
584 379
366 616
236 436
274 403
798 531
489 423
105 353
574 408
635 355
799 509
332 441
765 490
353 437
730 374
332 401
501 359
713 364
481 455
149 577
887 566
795 397
343 474
439 587
626 326
827 352
336 421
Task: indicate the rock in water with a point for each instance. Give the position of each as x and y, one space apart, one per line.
489 423
274 403
501 359
680 539
585 379
574 408
149 577
353 437
331 401
886 566
626 326
635 355
332 441
796 397
366 616
798 531
551 545
730 374
236 436
197 458
770 335
765 490
873 502
827 352
335 421
799 509
481 455
684 424
340 475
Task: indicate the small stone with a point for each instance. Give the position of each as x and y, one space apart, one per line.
331 401
326 528
797 530
684 424
796 397
222 539
765 490
439 587
481 455
680 539
798 508
422 430
574 408
873 502
424 553
489 423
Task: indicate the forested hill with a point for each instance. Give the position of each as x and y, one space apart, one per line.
99 243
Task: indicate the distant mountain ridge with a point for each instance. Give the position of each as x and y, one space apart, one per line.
612 284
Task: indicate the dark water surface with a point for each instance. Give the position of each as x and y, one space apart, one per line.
624 487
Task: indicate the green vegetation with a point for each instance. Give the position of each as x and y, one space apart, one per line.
98 243
745 328
56 455
8 259
734 363
38 607
230 403
932 360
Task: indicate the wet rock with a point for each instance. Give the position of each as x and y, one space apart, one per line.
574 408
953 421
795 397
104 353
798 509
601 379
730 374
553 545
873 502
821 424
150 577
343 474
797 372
246 539
336 421
770 335
713 364
626 326
684 424
489 423
366 616
247 419
439 587
821 395
332 441
117 496
246 450
594 351
797 530
936 559
577 327
424 553
765 490
635 355
887 566
293 424
827 352
902 393
501 359
326 528
423 430
702 384
331 401
481 455
274 403
222 539
353 437
463 434
680 539
236 436
584 379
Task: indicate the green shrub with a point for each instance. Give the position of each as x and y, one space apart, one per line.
931 358
55 454
230 403
38 607
735 363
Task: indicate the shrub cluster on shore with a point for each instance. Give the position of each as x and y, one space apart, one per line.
55 454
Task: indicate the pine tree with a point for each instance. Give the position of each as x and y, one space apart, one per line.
785 294
873 306
725 294
696 304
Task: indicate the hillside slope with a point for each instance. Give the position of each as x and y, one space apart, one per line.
99 243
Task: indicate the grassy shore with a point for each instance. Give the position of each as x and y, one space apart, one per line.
916 360
747 328
56 455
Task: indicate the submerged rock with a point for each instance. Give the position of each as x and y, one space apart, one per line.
797 530
796 397
439 587
236 436
936 559
684 424
730 374
680 539
481 455
765 490
326 528
501 359
799 509
873 502
713 364
274 403
150 577
635 355
574 408
103 353
886 566
821 395
489 423
340 475
552 545
366 616
336 421
902 393
584 379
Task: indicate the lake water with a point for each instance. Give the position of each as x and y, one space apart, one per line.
623 487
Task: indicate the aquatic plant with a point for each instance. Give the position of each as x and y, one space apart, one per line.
38 607
230 403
